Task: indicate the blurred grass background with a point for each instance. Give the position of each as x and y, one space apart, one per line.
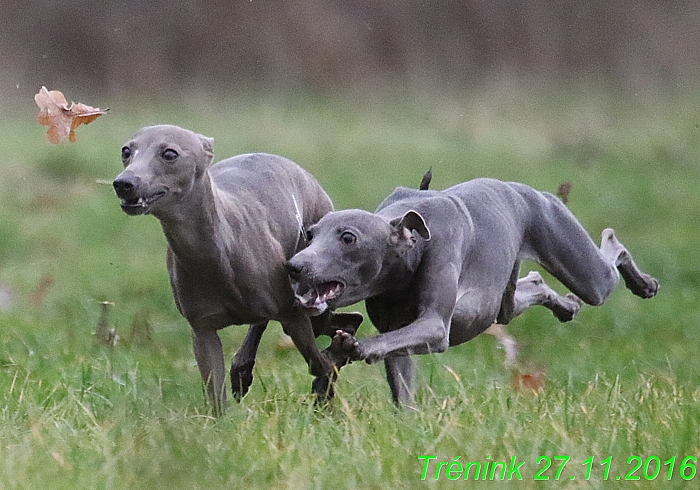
621 379
366 96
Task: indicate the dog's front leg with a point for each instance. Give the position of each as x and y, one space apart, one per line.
210 361
298 327
244 360
428 334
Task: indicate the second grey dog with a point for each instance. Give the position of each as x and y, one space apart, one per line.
437 268
230 227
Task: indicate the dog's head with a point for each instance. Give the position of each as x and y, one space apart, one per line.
161 164
353 255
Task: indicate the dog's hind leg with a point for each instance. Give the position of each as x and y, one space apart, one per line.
507 309
244 360
399 374
640 283
531 290
562 246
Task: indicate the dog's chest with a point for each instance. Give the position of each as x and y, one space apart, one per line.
206 295
393 310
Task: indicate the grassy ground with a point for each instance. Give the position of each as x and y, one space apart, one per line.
622 380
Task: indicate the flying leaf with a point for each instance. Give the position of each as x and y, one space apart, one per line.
61 118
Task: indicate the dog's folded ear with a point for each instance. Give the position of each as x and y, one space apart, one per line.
207 146
407 224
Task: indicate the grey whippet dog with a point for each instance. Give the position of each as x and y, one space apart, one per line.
230 228
437 268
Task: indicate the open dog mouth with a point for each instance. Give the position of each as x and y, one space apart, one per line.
316 298
140 205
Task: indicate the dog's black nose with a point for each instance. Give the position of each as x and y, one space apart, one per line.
125 185
294 269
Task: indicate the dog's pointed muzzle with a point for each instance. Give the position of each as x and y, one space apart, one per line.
134 200
310 294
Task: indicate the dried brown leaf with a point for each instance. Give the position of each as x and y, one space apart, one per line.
61 118
534 380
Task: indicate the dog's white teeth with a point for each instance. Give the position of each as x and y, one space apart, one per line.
333 292
308 298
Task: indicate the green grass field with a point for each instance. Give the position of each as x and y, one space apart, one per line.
622 380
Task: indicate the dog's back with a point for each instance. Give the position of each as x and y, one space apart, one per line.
281 195
271 179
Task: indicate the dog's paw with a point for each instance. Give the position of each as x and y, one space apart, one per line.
642 285
322 387
344 341
344 349
566 307
241 379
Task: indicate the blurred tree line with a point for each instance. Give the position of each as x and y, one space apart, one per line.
215 45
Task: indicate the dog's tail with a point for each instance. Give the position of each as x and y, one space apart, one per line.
425 182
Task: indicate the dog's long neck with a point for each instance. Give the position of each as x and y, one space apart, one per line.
398 271
193 227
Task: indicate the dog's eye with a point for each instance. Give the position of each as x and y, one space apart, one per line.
169 155
348 238
126 153
309 235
